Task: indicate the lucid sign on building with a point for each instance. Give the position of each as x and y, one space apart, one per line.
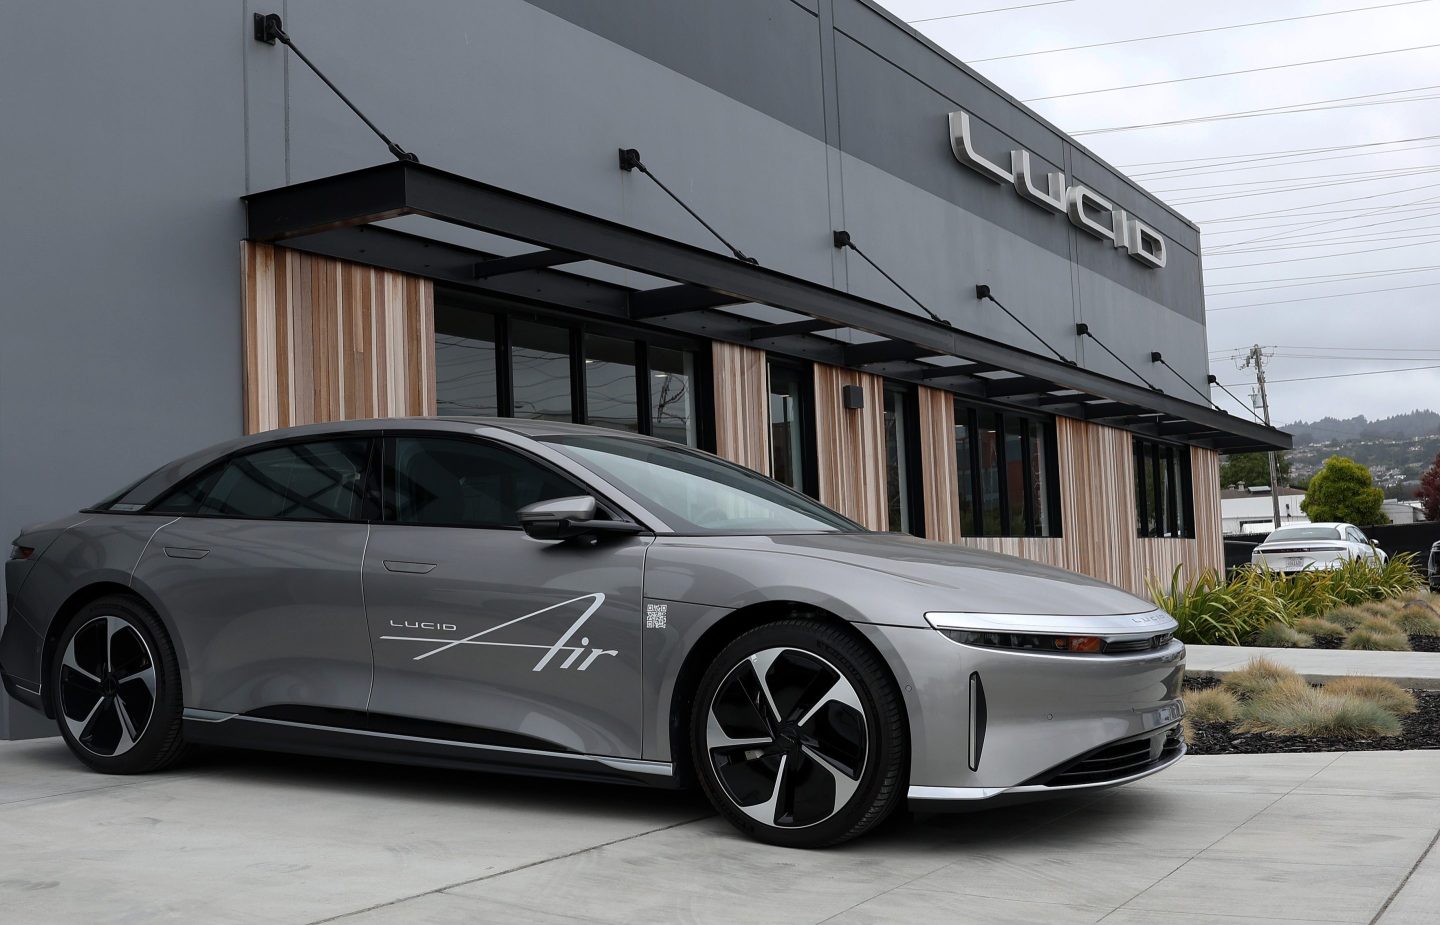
1087 209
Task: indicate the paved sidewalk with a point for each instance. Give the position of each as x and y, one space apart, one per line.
242 838
1419 670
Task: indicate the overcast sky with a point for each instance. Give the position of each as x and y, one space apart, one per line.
1400 182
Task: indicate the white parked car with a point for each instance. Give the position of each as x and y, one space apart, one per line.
1315 546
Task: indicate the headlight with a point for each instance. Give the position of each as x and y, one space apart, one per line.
1030 641
1119 634
21 552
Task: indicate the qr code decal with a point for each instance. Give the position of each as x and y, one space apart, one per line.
655 616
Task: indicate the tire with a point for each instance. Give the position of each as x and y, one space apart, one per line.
813 756
116 688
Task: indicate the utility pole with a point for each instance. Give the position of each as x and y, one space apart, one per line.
1256 358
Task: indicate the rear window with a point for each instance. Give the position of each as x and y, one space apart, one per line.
1286 534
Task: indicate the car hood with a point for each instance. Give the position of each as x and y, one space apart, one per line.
881 569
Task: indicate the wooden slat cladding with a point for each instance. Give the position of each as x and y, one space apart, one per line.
937 461
850 446
328 340
1097 504
742 405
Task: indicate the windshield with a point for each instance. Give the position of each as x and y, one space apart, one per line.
1285 534
697 493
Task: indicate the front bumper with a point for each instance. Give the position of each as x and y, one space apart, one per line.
987 724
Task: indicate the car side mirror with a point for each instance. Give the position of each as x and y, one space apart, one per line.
569 519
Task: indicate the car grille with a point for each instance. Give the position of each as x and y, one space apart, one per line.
1117 761
1122 646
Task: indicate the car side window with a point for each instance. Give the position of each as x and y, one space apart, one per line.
189 495
321 480
1355 536
438 481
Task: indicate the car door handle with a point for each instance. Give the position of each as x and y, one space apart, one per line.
186 552
414 568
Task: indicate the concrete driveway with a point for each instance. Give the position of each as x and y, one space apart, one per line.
240 837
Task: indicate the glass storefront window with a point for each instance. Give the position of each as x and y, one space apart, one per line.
610 399
790 413
540 371
1163 492
466 381
1005 465
964 467
897 463
672 394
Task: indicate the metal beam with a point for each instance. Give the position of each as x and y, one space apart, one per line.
791 329
538 260
401 188
672 300
885 351
1021 385
966 370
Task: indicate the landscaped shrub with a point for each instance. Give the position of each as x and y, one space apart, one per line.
1381 626
1361 638
1210 612
1319 626
1388 694
1212 705
1293 707
1257 677
1276 635
1417 618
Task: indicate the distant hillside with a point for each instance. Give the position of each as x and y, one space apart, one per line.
1397 427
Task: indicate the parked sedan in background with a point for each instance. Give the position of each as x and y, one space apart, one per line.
1315 546
576 603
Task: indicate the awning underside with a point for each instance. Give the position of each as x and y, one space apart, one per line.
557 257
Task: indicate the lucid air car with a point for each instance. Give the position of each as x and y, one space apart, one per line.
1315 546
574 602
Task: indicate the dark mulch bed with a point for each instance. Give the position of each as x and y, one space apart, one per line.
1425 643
1420 729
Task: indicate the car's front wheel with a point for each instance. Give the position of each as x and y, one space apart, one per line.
798 734
116 685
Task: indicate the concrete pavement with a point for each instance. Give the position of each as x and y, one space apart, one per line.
242 838
1419 670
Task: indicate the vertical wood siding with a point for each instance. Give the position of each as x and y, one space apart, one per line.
328 340
850 446
742 405
1097 504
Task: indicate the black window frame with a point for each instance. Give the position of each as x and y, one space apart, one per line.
803 374
505 313
913 500
370 493
1006 419
1163 472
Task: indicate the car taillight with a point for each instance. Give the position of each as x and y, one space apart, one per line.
21 552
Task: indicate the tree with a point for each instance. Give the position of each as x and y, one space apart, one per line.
1429 491
1344 491
1252 469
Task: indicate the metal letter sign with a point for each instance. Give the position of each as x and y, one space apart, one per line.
1087 210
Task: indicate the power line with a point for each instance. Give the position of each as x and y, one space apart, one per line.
1336 202
998 9
1331 221
1378 173
1251 194
1262 155
1287 161
1289 110
1330 242
1250 70
1171 35
1303 216
1373 250
1316 298
1373 372
1314 280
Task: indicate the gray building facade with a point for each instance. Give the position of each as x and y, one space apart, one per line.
131 133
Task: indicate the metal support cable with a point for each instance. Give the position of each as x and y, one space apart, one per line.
1084 331
843 240
630 160
982 292
1216 382
1157 357
269 30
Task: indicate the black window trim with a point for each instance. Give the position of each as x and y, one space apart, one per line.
1051 461
505 311
804 371
914 501
1152 455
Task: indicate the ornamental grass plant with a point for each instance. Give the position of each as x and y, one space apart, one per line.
1276 635
1257 677
1387 694
1362 638
1293 707
1415 618
1319 626
1211 705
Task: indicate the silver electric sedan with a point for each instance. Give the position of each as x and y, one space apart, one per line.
572 602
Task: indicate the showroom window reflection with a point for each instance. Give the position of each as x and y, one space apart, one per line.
1006 469
517 364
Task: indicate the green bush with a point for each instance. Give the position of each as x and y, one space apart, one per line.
1276 635
1387 694
1210 611
1380 626
1369 639
1212 705
1319 626
1293 707
1417 618
1258 676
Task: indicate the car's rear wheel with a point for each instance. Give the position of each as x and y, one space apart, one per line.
798 734
116 686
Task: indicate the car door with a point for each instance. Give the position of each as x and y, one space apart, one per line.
260 574
1364 549
482 634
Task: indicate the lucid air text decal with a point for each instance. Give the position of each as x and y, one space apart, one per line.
560 645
